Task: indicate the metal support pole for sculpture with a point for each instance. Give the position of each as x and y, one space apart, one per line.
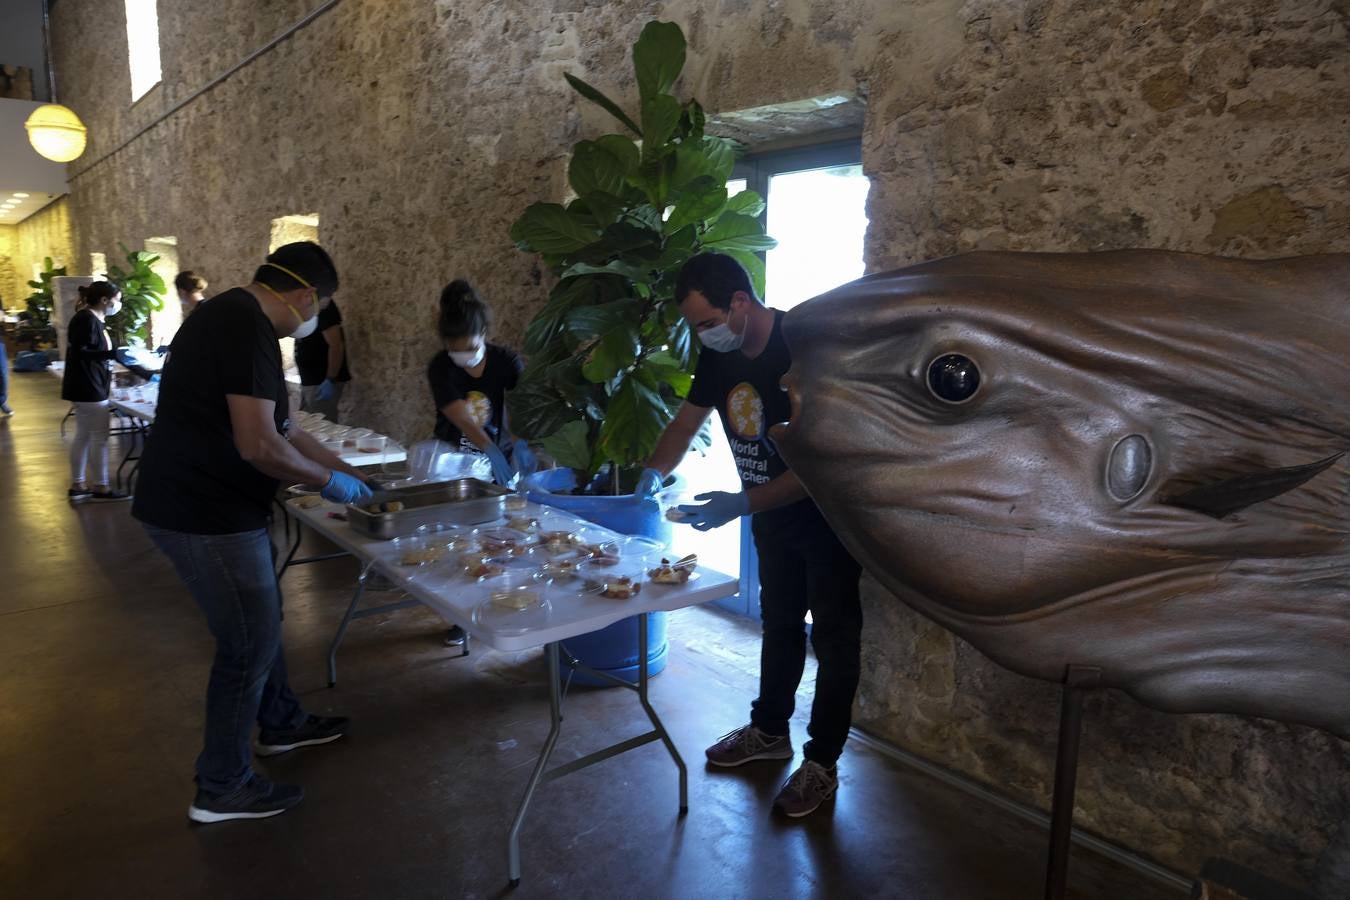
1076 680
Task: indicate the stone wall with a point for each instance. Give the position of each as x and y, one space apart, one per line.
13 287
418 131
50 232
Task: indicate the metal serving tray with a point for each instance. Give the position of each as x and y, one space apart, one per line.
464 501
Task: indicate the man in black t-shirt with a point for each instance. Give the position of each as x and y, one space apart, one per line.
802 565
322 361
222 439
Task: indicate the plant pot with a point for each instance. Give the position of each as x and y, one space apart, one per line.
613 649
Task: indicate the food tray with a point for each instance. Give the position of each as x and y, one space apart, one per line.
464 501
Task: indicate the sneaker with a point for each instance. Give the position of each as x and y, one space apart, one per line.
748 744
314 730
109 496
455 636
257 798
807 788
78 495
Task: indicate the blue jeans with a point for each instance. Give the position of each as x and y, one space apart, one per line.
4 378
231 578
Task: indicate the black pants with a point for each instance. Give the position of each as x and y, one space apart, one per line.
802 566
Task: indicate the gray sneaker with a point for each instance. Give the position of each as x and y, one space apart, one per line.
807 788
748 744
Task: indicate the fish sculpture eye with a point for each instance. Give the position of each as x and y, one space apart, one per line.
1129 468
953 378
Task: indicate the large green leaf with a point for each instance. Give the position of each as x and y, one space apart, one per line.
667 370
568 293
621 148
737 231
548 228
633 423
658 57
570 445
595 168
614 352
754 267
747 203
587 322
711 157
613 267
660 115
537 409
702 200
602 101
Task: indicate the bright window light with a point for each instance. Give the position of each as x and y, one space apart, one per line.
142 46
819 217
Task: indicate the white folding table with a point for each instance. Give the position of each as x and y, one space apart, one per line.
571 613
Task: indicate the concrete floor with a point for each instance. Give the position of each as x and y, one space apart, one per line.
103 662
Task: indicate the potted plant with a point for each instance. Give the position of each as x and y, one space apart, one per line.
609 357
142 294
37 329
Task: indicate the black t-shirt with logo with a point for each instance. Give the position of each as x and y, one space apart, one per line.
749 399
486 395
311 353
192 479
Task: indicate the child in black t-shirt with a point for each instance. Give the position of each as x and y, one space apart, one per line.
469 381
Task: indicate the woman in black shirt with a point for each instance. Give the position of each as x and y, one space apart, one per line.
469 381
85 383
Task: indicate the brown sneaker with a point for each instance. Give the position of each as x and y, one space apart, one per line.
748 744
809 786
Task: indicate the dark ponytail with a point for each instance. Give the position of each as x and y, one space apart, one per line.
98 292
463 312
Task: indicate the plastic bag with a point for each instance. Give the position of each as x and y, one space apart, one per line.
439 461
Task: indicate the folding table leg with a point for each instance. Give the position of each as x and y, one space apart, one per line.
656 721
555 714
342 626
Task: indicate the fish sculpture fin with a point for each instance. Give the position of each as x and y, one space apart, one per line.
1234 494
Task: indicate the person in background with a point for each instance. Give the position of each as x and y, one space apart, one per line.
222 441
191 288
322 361
802 565
469 380
86 383
5 408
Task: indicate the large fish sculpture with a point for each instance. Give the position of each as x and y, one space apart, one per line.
1129 460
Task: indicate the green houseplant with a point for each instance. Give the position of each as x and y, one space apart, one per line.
142 294
38 328
609 356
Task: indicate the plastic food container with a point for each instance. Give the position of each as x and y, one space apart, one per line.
371 443
419 549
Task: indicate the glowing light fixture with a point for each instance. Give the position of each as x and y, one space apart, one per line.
56 132
20 194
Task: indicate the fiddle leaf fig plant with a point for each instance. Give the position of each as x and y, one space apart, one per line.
610 358
38 325
142 294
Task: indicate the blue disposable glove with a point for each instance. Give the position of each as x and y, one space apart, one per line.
649 484
154 379
344 488
720 509
162 349
501 469
326 390
525 459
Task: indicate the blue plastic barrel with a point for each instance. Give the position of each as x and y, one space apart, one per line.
613 649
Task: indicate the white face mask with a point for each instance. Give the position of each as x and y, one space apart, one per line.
305 328
468 359
721 339
113 308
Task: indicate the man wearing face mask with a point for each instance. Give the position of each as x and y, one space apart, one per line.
222 441
802 565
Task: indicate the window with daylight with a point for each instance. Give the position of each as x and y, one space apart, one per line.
142 46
